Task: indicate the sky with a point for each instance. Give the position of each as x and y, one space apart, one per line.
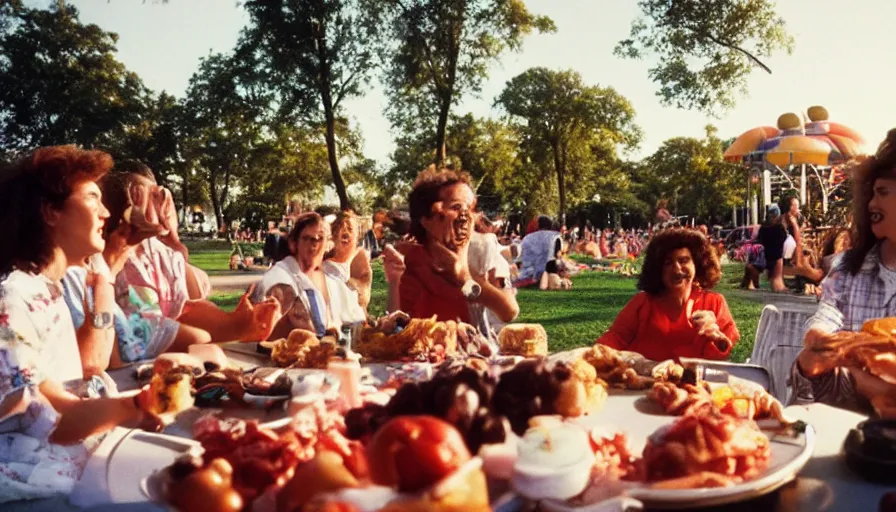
841 61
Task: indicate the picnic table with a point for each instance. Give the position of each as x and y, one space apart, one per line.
825 483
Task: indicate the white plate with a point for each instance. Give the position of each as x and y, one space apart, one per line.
630 412
138 455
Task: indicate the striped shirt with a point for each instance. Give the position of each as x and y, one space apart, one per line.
847 302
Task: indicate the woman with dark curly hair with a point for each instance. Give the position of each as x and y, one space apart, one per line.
438 279
676 315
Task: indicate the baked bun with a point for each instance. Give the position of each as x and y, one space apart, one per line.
169 361
171 392
527 340
881 326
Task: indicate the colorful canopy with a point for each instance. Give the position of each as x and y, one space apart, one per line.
820 142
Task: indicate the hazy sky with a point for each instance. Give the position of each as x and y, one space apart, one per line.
842 60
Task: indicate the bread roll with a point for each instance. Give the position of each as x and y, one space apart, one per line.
527 340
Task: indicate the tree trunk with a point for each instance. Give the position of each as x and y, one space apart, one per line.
216 205
561 180
441 132
326 94
186 198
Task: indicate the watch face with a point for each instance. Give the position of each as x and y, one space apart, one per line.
102 320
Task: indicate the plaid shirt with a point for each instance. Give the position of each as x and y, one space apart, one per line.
847 302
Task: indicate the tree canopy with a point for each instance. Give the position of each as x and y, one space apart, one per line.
705 49
437 51
568 129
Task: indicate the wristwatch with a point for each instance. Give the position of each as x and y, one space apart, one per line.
471 289
101 320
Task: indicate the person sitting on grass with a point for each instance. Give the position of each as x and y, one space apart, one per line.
539 248
676 315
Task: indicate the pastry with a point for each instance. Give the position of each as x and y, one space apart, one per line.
527 340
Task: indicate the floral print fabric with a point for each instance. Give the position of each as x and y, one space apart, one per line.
37 340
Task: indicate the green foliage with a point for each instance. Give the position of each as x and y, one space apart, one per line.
60 82
569 130
439 50
705 49
692 175
310 55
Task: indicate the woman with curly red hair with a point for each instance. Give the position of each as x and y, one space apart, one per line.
676 315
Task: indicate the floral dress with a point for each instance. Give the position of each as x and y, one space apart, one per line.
37 340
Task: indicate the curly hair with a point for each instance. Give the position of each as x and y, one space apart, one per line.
881 165
43 179
425 194
706 262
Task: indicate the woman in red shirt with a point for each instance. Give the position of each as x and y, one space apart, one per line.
437 279
675 315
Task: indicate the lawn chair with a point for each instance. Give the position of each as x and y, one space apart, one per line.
779 339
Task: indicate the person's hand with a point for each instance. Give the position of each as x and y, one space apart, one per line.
393 264
255 321
452 265
148 421
815 358
143 214
167 212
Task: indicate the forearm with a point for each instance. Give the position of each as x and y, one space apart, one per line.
503 305
95 347
205 315
93 416
393 297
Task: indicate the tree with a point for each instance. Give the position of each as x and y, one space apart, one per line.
705 49
439 50
693 174
313 54
568 128
60 82
487 149
222 127
156 139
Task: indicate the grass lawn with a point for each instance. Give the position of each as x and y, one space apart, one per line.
576 317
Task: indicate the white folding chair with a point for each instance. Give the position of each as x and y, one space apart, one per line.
765 337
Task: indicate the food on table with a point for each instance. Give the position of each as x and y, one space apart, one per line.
169 361
527 340
302 349
267 381
630 370
734 401
414 452
554 462
324 474
260 457
873 348
211 355
581 391
190 485
171 392
706 449
422 339
532 389
612 458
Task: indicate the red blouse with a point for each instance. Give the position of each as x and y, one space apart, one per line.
643 327
423 293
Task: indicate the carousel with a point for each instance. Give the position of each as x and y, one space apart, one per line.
806 157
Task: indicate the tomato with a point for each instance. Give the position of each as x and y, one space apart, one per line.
414 452
206 489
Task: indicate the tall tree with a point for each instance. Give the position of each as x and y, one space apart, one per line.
569 128
222 127
313 55
705 49
439 50
155 140
60 82
693 175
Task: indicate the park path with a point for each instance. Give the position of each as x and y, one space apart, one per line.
233 281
